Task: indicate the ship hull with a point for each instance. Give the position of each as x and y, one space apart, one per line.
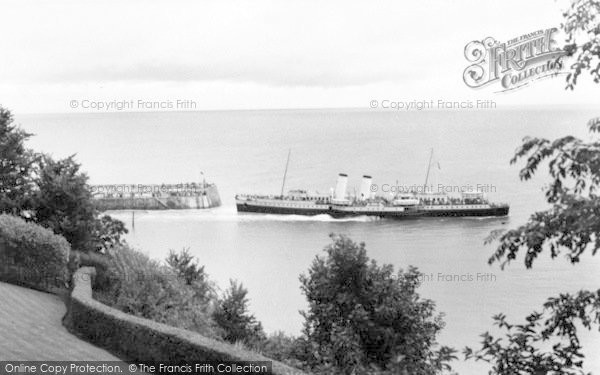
245 207
480 212
391 213
422 212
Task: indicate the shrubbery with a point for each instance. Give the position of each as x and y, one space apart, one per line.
284 348
138 285
62 202
185 266
16 164
177 293
238 324
365 318
31 255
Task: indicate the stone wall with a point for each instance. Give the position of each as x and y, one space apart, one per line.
211 199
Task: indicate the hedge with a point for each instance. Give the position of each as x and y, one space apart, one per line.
31 255
143 340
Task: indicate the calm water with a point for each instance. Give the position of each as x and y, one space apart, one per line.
245 152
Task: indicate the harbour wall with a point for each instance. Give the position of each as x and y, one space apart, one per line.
210 198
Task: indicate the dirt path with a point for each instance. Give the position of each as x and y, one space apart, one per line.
31 329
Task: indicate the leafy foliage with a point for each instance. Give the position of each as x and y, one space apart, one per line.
582 26
364 318
32 255
282 347
573 221
186 267
519 351
233 317
572 225
63 202
15 166
107 233
143 287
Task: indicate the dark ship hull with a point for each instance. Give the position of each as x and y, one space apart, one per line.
245 207
285 207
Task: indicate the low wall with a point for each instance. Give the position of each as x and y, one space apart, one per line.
144 340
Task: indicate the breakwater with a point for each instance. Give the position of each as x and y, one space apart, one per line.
155 197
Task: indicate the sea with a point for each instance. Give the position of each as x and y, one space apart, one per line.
246 152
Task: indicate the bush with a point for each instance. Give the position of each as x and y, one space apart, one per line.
366 318
138 285
186 267
31 255
63 203
283 348
15 168
233 317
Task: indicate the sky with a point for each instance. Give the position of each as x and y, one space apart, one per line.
228 55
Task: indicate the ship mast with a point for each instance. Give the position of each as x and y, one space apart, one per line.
285 173
428 168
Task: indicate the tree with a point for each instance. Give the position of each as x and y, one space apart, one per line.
62 202
186 267
15 166
233 317
570 226
107 233
366 318
582 27
282 347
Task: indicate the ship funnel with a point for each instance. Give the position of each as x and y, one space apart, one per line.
365 188
340 187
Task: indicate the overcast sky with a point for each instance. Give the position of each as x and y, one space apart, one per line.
260 54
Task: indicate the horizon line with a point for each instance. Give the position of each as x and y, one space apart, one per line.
506 107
